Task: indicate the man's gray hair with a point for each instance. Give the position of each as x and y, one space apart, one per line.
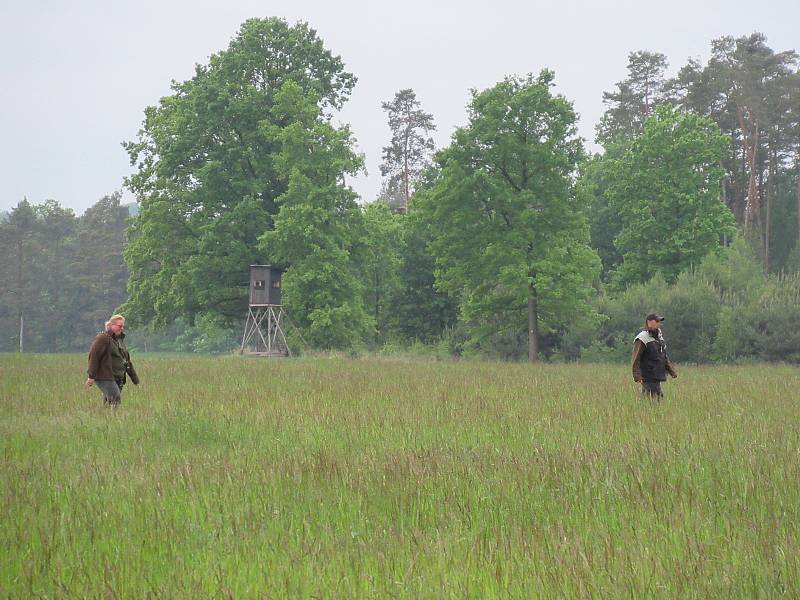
114 319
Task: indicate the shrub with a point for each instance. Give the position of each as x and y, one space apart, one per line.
734 271
767 328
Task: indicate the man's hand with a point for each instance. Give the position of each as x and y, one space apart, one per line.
89 382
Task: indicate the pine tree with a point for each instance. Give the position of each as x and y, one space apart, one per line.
409 150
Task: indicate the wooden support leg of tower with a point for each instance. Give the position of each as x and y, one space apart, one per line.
263 334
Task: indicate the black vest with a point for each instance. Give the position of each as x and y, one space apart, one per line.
653 362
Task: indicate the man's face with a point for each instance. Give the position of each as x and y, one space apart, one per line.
653 324
117 327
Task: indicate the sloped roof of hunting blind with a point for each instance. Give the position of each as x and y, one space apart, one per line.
265 285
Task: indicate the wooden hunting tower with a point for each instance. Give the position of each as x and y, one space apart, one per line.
265 285
263 335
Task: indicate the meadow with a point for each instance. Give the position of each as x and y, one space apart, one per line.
389 478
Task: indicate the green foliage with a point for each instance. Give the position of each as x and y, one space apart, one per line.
206 336
778 323
725 310
63 251
241 164
208 173
766 328
508 229
691 306
62 276
665 188
380 252
419 310
793 260
624 314
784 221
318 225
735 271
604 222
750 91
100 274
214 336
20 243
635 98
598 352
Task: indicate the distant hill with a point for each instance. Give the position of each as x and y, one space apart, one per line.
3 215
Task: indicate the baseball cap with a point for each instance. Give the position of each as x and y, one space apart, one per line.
654 317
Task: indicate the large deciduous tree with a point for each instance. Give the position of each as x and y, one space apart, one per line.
510 236
206 175
409 150
318 223
666 190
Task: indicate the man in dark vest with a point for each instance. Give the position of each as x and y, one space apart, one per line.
110 362
649 361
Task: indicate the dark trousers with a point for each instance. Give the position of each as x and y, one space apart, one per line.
111 390
652 389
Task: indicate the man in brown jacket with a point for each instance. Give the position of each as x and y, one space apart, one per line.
649 360
110 362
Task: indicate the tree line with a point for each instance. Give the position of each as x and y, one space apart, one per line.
512 241
62 275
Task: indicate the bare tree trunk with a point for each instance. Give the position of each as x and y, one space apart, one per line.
750 137
377 307
406 194
771 170
738 196
533 325
768 218
798 204
723 193
57 275
20 296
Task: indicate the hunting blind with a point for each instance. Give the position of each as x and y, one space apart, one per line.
263 334
265 285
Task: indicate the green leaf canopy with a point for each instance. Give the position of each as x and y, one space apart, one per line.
666 189
510 235
206 177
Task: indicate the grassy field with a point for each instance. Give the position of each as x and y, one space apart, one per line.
323 478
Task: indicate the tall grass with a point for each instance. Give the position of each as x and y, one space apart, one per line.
244 478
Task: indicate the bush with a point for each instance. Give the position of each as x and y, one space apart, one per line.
727 309
734 271
598 352
767 328
793 261
692 308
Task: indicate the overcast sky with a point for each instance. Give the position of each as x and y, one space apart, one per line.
75 76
